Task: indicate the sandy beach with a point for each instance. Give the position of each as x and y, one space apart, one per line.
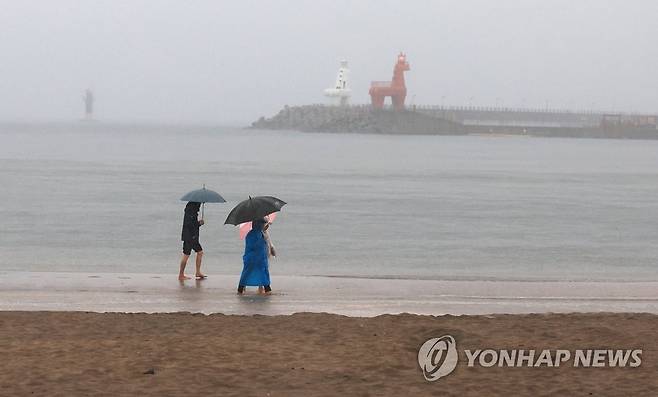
75 334
81 354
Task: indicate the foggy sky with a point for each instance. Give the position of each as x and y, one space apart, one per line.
233 61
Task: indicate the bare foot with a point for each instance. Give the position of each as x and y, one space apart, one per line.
182 277
261 290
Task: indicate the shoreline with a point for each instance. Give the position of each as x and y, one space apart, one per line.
360 297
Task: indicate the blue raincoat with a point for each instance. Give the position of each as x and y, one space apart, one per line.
255 271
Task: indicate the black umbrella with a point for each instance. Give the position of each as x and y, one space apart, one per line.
254 208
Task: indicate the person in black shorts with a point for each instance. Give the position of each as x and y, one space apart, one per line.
190 237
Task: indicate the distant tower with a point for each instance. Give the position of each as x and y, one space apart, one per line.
395 88
341 90
88 98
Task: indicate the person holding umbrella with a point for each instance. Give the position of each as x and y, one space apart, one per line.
255 271
190 238
258 248
190 235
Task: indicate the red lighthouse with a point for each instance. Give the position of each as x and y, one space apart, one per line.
395 88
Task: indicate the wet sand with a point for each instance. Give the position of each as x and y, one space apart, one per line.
83 354
156 293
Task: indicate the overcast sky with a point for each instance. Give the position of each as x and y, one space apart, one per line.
233 61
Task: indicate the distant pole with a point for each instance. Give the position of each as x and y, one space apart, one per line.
88 99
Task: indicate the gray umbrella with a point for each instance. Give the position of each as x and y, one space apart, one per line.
254 208
203 196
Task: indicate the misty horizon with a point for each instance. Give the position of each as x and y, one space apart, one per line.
232 62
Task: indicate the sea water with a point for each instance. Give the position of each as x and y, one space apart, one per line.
104 198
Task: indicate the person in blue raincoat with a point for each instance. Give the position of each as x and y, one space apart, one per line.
255 270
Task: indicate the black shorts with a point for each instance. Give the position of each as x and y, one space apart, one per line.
188 246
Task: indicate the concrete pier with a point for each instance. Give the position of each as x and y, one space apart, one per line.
439 120
357 119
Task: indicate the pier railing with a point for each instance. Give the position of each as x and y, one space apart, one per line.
501 109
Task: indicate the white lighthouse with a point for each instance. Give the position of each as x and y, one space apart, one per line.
341 90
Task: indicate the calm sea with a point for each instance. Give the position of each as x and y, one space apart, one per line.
96 197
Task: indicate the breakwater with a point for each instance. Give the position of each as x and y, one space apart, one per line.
430 120
357 119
